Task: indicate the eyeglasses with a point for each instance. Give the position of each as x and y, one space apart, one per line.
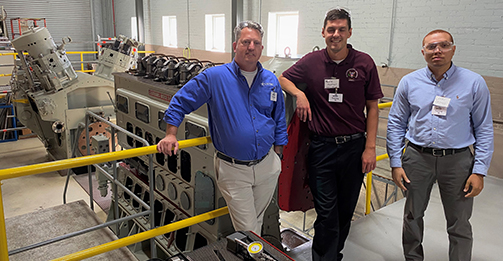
443 46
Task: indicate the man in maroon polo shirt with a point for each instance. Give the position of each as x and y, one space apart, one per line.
341 83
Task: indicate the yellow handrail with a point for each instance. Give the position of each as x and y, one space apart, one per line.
384 105
72 163
93 251
368 191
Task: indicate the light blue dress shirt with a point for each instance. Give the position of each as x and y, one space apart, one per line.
468 119
244 121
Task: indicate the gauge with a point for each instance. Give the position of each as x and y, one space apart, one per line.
255 248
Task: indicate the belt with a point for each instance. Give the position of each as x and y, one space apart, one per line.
437 152
240 162
337 139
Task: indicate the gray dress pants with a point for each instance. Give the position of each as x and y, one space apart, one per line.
451 173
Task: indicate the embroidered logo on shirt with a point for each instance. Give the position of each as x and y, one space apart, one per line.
267 84
352 74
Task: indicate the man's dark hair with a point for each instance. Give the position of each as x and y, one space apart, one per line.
335 14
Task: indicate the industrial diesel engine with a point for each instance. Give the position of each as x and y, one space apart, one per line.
51 98
185 184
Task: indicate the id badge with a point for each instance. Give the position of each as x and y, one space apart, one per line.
274 96
442 101
331 83
439 111
440 105
335 97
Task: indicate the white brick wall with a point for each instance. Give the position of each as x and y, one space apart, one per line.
477 26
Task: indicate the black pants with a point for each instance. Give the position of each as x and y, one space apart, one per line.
335 179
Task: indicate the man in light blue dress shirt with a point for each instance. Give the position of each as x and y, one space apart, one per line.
441 110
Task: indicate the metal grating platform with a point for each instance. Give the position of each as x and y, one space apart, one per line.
49 223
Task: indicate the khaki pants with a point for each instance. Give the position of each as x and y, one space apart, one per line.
248 190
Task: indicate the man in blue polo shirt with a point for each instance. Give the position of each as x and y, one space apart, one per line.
246 114
441 110
341 83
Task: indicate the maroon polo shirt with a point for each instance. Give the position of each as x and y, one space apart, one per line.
358 82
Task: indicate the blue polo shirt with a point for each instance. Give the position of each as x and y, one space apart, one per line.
244 121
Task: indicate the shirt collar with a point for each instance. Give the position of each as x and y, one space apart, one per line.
237 71
447 74
348 58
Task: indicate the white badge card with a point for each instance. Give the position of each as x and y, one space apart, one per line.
331 83
439 111
441 101
335 97
274 96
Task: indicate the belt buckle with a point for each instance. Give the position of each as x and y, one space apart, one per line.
252 163
341 140
434 152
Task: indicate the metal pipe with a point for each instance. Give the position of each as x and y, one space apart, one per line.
151 183
12 129
74 146
90 252
188 25
91 198
24 65
115 182
126 190
391 32
140 23
93 29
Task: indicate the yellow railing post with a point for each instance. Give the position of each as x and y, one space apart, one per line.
82 61
4 250
368 190
368 193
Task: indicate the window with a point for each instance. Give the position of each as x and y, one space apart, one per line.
134 28
282 32
169 31
215 32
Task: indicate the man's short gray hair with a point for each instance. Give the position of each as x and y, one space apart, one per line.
249 24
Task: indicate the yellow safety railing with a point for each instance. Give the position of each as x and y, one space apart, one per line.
71 52
93 251
84 161
368 191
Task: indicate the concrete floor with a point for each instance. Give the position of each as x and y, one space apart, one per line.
32 193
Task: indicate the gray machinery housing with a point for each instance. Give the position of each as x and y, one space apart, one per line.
51 98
